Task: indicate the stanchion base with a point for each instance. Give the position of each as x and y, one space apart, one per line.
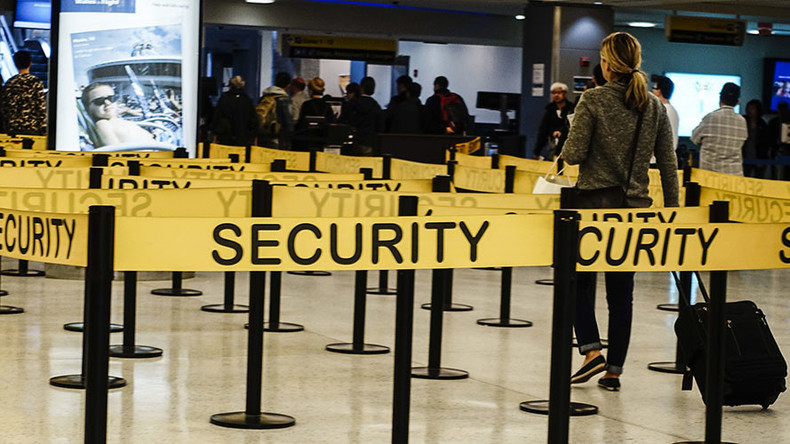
221 308
438 373
545 282
377 290
604 343
135 351
511 323
17 273
700 442
79 327
183 292
78 382
452 307
542 408
9 310
665 367
310 273
241 420
348 348
3 293
282 327
668 307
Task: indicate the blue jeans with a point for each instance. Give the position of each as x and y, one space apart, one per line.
619 296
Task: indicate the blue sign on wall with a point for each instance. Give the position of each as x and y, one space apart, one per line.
122 6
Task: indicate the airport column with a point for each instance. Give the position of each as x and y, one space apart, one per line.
560 42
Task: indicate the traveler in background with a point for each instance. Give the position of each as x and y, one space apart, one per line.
315 111
402 86
296 91
22 101
554 127
407 116
363 113
598 77
275 121
756 145
721 135
663 89
235 119
445 111
606 121
779 138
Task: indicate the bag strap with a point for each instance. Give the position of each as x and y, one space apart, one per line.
633 150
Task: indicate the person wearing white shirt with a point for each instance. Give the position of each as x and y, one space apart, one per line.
663 89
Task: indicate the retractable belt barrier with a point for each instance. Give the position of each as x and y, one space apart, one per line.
15 152
405 169
776 189
336 163
747 207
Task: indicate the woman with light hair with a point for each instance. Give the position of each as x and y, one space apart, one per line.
615 131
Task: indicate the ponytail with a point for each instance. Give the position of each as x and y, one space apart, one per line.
623 53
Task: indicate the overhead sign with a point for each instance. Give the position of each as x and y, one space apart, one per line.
710 31
44 237
344 48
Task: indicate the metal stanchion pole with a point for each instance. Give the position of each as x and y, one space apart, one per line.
129 349
559 406
404 329
358 345
252 417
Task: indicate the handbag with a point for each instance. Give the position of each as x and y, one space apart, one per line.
609 197
552 183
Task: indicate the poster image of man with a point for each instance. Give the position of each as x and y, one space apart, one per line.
128 84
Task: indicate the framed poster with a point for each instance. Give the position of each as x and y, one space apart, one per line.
127 75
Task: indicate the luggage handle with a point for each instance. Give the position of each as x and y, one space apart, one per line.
683 296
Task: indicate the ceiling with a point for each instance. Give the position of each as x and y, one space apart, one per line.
775 11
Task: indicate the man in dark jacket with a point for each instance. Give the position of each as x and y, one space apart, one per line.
235 120
445 111
555 126
364 114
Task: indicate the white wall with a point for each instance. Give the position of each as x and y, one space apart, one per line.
469 68
330 71
382 74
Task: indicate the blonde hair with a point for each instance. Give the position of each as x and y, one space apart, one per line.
623 53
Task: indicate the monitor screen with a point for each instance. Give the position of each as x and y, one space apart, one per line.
33 14
695 96
777 82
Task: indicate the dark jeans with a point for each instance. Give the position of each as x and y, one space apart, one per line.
619 296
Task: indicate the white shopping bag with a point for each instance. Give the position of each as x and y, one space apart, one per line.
552 183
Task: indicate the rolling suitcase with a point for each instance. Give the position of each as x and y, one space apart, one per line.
754 368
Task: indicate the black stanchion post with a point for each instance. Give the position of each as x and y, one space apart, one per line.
495 161
8 309
559 406
311 166
100 160
234 158
94 183
719 213
274 324
180 153
367 173
278 165
99 274
252 417
96 312
404 328
228 305
247 153
679 366
206 149
386 167
507 277
177 288
134 167
129 349
358 346
441 184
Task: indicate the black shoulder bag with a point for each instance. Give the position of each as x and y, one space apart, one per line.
609 197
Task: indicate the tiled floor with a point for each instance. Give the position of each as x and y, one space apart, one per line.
347 399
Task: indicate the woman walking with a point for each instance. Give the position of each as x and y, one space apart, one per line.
615 131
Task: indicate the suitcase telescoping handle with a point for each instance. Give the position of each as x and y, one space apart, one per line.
686 299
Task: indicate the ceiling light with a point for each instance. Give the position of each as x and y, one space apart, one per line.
753 31
597 3
262 2
642 25
520 17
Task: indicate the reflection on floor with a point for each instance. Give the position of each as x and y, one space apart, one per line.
339 398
